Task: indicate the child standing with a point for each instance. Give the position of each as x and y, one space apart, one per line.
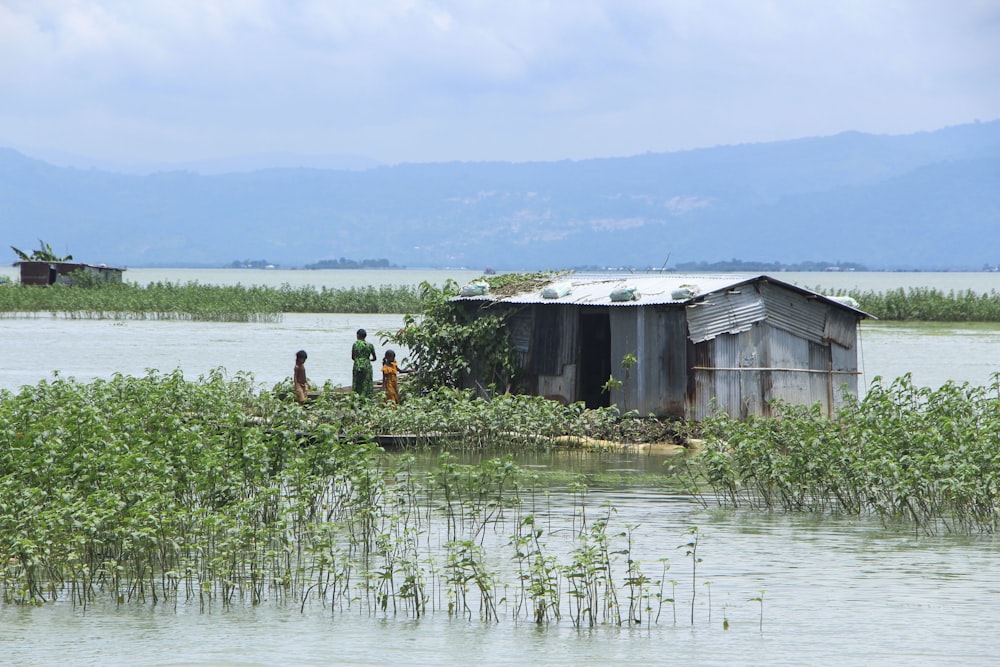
390 376
299 377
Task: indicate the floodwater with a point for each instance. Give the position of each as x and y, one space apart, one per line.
827 281
835 591
90 349
34 348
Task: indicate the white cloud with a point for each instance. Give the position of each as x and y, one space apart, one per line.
416 80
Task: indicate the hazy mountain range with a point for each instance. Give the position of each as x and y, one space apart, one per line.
920 201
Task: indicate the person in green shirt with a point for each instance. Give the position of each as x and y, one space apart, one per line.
363 354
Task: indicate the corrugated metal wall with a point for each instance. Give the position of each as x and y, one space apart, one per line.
845 372
821 376
740 373
624 340
735 351
550 363
47 273
658 339
789 359
789 352
731 374
36 273
520 326
671 396
841 327
793 312
724 313
549 351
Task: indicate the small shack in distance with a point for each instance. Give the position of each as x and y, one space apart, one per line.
40 272
698 343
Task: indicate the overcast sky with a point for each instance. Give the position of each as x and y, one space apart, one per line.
518 80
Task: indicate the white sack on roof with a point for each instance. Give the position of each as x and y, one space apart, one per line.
685 292
478 288
626 293
847 301
556 290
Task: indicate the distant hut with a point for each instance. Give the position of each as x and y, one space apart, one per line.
692 344
39 272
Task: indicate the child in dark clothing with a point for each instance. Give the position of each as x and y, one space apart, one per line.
299 377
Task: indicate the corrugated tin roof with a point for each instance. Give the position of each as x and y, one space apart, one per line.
651 289
595 290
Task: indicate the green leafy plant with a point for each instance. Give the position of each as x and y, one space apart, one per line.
691 551
629 361
43 254
452 346
920 455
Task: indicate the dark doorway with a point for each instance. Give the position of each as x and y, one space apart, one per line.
595 358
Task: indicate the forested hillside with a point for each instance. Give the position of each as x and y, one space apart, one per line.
924 201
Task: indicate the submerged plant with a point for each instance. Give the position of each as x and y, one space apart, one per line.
162 490
592 590
760 600
538 573
691 551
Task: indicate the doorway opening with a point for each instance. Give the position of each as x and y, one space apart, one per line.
595 359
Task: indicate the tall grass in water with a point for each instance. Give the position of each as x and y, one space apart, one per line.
930 457
924 304
194 301
161 490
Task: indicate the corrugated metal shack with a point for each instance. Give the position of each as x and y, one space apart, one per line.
700 343
49 273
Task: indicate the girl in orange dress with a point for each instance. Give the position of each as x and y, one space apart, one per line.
390 376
